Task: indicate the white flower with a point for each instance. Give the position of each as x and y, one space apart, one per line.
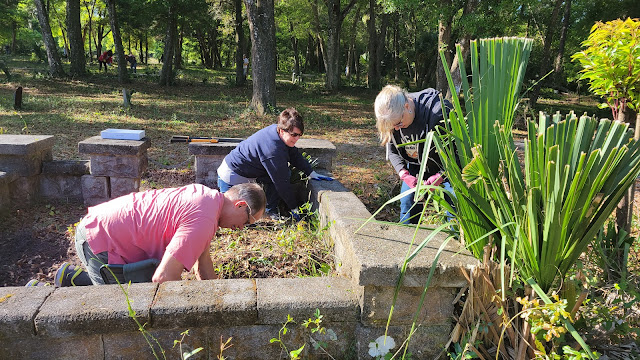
381 346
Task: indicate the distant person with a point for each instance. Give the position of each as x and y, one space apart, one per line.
105 59
156 234
264 157
7 50
404 117
131 59
245 65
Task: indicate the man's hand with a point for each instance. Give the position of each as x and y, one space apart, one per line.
315 176
408 179
169 269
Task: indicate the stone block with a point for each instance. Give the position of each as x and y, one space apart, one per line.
23 145
74 311
18 307
25 189
98 145
66 167
132 345
206 168
24 154
95 189
322 150
41 347
123 186
253 342
426 343
191 304
118 166
61 187
27 165
376 301
5 195
334 297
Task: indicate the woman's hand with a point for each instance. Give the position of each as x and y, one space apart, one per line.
435 180
408 179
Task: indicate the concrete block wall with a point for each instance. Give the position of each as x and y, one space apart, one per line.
209 156
28 171
355 303
73 323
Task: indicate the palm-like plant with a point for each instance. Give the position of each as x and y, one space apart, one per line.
575 171
498 67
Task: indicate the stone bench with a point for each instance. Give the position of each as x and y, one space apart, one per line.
209 156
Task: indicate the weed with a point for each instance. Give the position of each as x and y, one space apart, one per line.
310 328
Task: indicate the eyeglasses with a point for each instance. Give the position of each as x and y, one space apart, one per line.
398 125
294 134
250 218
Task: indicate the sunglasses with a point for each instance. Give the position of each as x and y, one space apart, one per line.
250 218
294 134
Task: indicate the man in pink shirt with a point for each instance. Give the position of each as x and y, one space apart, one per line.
175 226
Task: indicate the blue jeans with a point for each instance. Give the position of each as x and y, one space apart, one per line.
273 199
407 213
91 261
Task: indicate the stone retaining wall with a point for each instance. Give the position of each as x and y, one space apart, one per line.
93 322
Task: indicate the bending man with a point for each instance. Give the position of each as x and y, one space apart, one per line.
173 225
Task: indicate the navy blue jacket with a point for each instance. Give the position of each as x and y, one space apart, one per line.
263 155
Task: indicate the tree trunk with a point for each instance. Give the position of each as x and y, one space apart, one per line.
335 18
241 48
563 38
546 53
76 45
444 38
296 57
352 43
382 42
624 210
178 51
123 75
55 65
166 73
373 74
263 54
396 49
465 44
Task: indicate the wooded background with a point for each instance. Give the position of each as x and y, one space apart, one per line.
349 41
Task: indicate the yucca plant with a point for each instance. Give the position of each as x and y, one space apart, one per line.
575 172
498 67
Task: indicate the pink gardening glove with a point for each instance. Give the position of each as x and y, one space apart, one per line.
408 178
435 180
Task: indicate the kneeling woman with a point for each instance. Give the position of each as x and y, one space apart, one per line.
264 157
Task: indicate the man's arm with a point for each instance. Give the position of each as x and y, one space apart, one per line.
204 267
169 269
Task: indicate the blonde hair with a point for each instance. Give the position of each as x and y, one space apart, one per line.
389 106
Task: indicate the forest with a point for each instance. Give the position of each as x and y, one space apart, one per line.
372 43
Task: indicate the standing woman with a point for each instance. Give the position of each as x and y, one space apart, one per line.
404 117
